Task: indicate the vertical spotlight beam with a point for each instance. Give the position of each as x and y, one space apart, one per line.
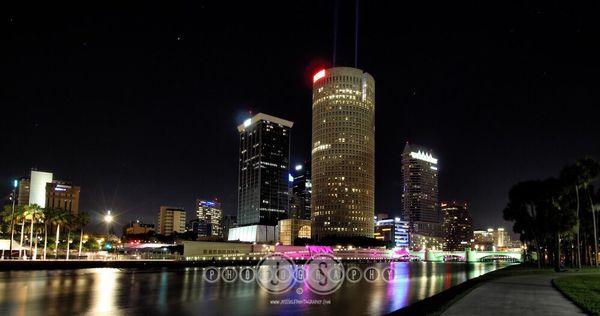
335 29
356 35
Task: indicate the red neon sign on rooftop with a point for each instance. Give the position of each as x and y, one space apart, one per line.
319 75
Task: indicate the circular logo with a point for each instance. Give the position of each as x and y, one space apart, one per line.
371 274
229 274
300 274
247 274
211 274
388 274
325 274
275 273
353 274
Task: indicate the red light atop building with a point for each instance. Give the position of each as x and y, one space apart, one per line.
319 75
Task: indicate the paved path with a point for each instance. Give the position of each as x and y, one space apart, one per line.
518 295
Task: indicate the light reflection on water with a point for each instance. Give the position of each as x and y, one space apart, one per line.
116 292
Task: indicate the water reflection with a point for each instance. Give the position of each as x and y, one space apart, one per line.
183 292
104 300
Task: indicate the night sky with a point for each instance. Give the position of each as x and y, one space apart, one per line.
138 101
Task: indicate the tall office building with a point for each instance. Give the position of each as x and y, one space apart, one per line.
263 170
420 191
32 189
63 195
343 153
23 190
209 215
457 225
300 192
170 220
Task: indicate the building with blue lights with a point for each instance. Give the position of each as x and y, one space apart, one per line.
393 230
209 218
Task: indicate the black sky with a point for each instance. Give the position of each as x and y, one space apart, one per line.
137 101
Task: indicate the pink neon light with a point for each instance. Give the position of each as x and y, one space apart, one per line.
319 249
319 75
402 252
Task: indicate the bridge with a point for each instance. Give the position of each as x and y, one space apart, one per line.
467 255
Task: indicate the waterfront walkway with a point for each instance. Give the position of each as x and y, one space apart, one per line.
516 295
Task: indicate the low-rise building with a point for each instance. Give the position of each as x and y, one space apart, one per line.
422 242
170 220
63 195
292 228
137 227
254 233
393 230
491 239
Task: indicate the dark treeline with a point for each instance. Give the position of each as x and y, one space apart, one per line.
556 217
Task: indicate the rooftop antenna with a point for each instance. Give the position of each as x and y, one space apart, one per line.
335 29
356 35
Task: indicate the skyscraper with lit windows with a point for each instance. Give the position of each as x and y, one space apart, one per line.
300 192
343 153
420 191
457 225
209 214
263 170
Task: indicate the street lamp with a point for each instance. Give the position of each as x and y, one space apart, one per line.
108 218
12 217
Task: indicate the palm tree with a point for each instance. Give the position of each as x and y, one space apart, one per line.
60 217
38 229
10 217
590 169
20 215
50 214
523 210
82 220
70 222
571 176
34 213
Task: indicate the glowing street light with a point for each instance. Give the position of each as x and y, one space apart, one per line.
108 218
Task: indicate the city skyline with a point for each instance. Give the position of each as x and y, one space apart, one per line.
132 149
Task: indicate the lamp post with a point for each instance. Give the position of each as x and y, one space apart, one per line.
12 217
108 218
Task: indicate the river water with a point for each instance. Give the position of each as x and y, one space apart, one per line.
107 291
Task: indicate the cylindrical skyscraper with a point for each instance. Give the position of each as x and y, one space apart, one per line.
343 153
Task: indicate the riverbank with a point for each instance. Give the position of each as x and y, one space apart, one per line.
456 298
